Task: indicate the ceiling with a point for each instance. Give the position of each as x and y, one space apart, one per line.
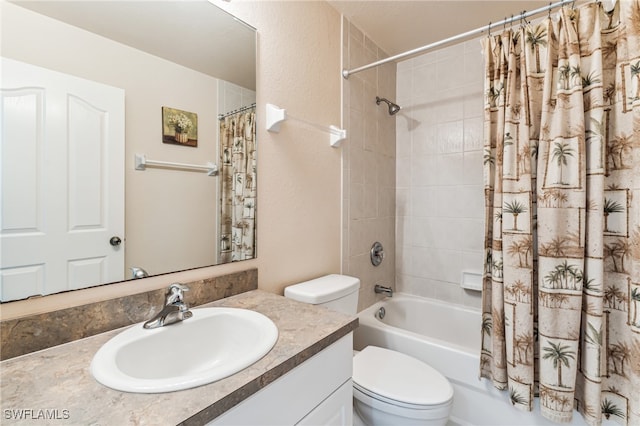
398 25
395 25
192 33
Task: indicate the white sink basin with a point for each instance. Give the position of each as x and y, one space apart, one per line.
213 344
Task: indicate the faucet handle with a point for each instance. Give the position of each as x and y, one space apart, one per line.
176 293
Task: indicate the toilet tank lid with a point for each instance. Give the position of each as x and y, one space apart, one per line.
323 289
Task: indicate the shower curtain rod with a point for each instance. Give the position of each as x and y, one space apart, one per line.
235 111
523 15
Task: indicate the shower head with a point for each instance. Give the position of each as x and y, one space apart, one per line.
393 108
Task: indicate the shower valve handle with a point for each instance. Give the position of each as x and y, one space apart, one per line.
377 253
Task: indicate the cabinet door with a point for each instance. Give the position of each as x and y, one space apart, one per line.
336 410
290 399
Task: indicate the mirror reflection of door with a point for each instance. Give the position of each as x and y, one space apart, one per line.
78 126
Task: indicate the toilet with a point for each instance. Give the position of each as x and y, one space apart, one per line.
389 387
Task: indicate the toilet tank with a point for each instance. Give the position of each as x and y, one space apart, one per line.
338 292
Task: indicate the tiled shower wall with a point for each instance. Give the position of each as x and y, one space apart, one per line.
439 193
369 165
232 97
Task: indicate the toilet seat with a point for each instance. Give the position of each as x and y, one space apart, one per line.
422 413
394 378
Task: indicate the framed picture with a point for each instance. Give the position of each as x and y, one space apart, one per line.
179 127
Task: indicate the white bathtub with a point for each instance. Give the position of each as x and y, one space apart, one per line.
447 337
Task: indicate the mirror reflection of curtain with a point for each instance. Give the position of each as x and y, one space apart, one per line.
238 186
561 292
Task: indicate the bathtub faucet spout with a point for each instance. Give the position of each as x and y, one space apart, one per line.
384 290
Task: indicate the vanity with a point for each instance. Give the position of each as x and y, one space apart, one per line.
292 384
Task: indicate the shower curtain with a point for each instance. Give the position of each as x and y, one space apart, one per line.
561 290
238 186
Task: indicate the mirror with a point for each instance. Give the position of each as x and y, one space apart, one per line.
165 66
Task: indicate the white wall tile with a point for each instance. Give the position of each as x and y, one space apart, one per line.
473 66
370 201
423 113
403 202
422 231
422 167
450 136
405 65
456 50
449 169
472 235
403 171
473 261
386 201
370 157
472 167
404 92
403 259
439 195
427 58
473 198
423 201
356 201
472 299
448 293
424 80
403 149
474 104
448 105
370 164
356 93
450 72
418 286
473 134
424 140
356 129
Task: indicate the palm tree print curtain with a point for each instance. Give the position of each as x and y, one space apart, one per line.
561 292
238 186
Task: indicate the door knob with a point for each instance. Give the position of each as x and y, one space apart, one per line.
115 241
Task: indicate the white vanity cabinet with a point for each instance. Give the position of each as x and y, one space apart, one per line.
317 392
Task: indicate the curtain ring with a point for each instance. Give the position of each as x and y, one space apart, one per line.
549 10
489 29
573 5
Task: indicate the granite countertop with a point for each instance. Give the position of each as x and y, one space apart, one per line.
55 385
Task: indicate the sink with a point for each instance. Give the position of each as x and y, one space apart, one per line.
213 344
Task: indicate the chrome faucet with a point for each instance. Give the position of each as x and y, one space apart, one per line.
382 289
137 272
175 308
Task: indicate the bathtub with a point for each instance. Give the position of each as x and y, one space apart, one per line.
447 337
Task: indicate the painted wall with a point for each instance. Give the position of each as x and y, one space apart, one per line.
369 165
299 174
439 198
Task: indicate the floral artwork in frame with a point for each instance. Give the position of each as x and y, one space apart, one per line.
179 127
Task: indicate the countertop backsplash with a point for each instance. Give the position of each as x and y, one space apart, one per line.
33 333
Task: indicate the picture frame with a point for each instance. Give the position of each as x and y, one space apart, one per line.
179 127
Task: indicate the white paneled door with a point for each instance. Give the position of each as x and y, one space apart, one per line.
61 182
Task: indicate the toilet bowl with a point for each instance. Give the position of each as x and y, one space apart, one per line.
389 387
